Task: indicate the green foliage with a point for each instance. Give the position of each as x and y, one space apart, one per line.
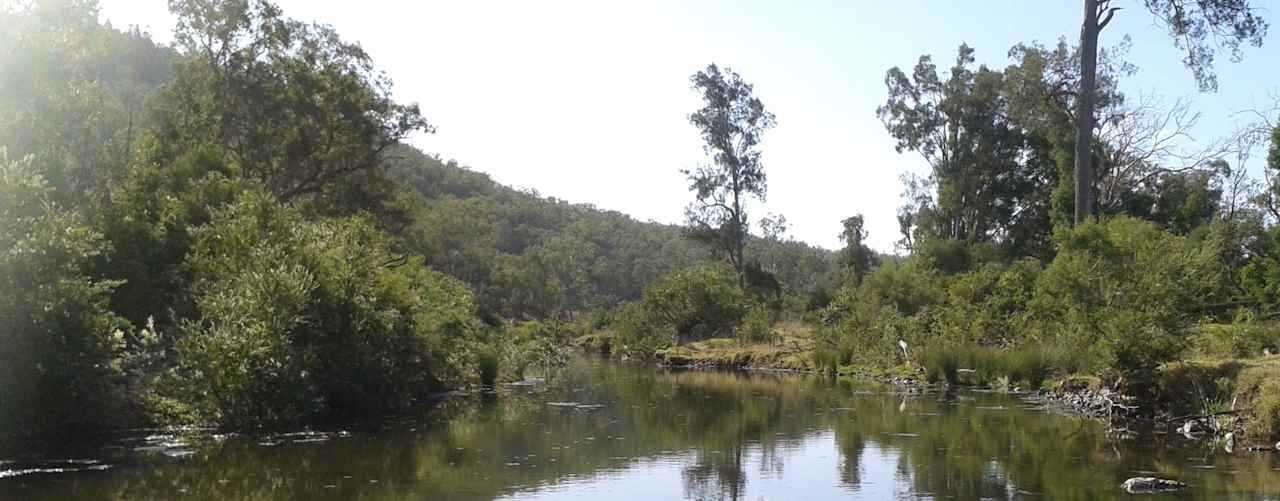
825 360
1245 337
303 318
532 257
991 366
732 122
907 287
538 345
62 351
941 365
698 304
684 306
1260 274
488 361
982 163
1259 388
856 258
72 93
757 326
298 109
987 306
149 227
1119 295
1126 290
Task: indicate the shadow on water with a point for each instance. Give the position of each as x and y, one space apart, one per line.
604 430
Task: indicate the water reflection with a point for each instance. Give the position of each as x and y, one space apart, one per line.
607 431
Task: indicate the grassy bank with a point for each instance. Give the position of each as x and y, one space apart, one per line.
1241 392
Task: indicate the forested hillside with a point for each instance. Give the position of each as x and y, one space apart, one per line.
528 256
233 231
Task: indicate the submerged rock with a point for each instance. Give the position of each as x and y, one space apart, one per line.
1144 485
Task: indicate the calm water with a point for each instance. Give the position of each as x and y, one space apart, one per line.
603 431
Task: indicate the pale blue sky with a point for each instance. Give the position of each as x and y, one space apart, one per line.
586 100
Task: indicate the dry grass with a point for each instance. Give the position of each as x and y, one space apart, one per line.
795 340
1251 385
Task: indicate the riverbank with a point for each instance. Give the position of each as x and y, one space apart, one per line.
627 431
1216 396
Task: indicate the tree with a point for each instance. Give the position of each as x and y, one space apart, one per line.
1198 27
61 348
855 257
292 104
1271 199
72 93
731 121
982 169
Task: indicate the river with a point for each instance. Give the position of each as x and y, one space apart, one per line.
598 430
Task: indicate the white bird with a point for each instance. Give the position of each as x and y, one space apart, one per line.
903 344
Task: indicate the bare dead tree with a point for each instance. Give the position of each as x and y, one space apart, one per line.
1254 135
1145 139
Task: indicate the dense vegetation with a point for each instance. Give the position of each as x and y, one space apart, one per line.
1175 260
232 231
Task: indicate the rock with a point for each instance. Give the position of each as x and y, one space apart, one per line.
1188 428
1143 485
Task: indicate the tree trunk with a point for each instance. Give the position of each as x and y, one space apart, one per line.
1084 112
739 235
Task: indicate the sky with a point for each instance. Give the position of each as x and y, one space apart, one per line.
587 101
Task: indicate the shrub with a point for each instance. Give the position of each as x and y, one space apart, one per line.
1027 365
757 326
941 365
681 307
301 318
61 349
825 360
536 344
487 360
1245 337
1261 387
1126 290
908 287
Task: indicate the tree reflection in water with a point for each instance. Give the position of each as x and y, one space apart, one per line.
671 434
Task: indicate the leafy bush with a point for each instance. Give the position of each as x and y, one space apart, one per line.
536 344
488 360
148 224
1243 338
757 326
1260 275
302 318
640 333
987 306
1124 290
893 303
908 287
61 350
684 306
